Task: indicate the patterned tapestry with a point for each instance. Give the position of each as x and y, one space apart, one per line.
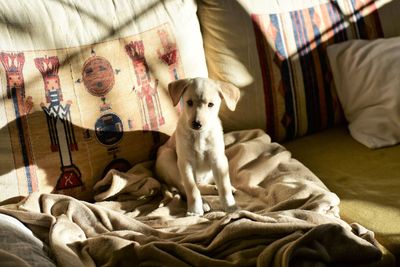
75 113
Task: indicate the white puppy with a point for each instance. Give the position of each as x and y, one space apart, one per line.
194 156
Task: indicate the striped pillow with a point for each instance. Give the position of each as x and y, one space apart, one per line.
283 51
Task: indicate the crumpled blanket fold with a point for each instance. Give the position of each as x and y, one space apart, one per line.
287 217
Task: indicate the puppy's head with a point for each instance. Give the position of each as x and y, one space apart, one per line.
201 98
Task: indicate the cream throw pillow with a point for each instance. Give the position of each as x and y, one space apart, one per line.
367 77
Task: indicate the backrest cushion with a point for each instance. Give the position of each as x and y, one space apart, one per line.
275 51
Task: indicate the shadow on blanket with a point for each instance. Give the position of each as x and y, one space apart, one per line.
287 217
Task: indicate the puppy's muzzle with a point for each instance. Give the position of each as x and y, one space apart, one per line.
196 125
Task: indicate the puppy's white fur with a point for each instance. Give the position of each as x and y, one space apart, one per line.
194 156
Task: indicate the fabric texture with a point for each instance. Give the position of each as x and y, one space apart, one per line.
367 181
84 88
287 216
367 81
19 247
275 51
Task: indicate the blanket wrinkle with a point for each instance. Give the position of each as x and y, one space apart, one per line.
286 217
63 235
135 184
275 254
10 260
312 246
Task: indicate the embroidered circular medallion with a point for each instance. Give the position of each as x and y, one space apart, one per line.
109 129
98 76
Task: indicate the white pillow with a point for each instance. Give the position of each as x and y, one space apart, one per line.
367 79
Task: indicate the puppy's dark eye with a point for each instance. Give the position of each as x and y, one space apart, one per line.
190 103
210 105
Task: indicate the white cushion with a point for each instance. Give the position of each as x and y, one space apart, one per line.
367 79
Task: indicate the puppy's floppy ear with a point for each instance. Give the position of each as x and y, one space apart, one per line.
177 88
230 94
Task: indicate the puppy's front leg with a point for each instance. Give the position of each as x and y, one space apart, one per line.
193 196
220 170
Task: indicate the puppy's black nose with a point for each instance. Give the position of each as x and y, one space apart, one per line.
196 125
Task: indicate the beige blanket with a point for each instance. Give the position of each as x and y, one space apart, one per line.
287 217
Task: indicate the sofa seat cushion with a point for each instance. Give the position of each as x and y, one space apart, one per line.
367 181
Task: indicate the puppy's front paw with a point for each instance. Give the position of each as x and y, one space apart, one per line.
229 204
196 209
188 213
195 213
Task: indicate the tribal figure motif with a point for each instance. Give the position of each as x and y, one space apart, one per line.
169 55
59 123
151 113
13 64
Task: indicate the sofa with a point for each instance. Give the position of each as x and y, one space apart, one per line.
85 107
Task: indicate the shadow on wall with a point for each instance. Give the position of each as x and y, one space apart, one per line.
60 157
44 145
